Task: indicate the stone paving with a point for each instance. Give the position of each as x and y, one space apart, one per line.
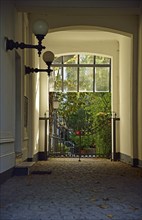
93 189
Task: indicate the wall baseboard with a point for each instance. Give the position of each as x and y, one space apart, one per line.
38 156
42 156
135 162
6 175
34 158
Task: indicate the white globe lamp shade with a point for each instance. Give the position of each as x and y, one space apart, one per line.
48 57
40 27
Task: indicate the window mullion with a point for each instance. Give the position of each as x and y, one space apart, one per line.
62 72
110 77
78 73
78 66
94 74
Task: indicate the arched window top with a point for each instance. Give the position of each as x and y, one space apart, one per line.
82 58
81 73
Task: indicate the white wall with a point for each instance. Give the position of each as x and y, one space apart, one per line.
34 96
7 89
44 106
26 82
125 67
140 94
13 136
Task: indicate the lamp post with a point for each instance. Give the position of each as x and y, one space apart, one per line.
78 133
114 119
45 135
48 58
40 29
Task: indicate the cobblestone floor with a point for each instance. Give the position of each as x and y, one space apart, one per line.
93 189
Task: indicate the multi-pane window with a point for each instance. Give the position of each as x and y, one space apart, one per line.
81 73
102 76
85 79
69 79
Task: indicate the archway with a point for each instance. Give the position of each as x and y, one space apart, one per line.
118 46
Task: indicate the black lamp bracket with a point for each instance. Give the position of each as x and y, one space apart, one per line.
10 44
29 70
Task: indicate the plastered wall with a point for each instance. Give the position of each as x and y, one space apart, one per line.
7 90
125 67
140 93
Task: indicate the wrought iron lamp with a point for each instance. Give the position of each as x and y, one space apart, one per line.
40 29
48 58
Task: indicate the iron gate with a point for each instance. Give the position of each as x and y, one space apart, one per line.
66 142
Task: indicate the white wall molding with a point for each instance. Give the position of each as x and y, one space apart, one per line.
26 138
5 140
7 161
7 155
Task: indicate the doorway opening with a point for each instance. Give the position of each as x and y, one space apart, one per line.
81 126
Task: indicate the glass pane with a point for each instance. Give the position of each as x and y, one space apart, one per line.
102 60
102 79
51 83
86 59
57 60
85 79
70 79
57 78
70 59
